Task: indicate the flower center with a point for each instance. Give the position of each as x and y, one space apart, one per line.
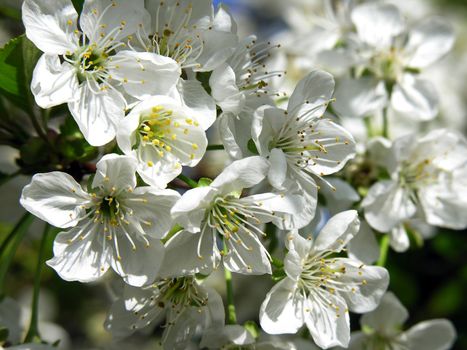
414 176
387 65
163 132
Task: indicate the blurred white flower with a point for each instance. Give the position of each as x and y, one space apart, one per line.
382 329
320 289
114 224
427 175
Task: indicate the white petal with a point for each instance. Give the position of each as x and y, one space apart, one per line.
199 102
53 83
366 285
281 312
328 322
431 335
185 244
398 239
339 144
364 245
145 74
415 98
56 198
111 18
386 205
229 133
299 248
340 196
48 25
124 316
97 114
311 95
217 49
10 318
190 210
338 231
248 257
152 210
429 41
388 317
359 97
241 174
83 260
358 341
225 90
137 263
216 338
115 171
266 125
278 171
377 24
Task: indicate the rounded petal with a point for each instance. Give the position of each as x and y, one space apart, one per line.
78 254
50 25
145 74
415 98
328 322
56 198
114 18
278 171
197 250
386 205
190 210
312 95
115 171
265 128
359 97
97 114
244 173
299 248
388 317
377 23
338 231
429 41
53 83
364 246
248 257
200 103
137 260
282 310
366 285
431 335
399 239
225 90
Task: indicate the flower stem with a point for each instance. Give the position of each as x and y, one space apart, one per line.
231 314
385 123
215 147
10 245
188 181
383 250
33 332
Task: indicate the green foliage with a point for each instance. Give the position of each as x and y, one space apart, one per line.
78 4
204 182
17 61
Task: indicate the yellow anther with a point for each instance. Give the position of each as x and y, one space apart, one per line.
185 131
192 156
150 164
168 148
174 137
146 128
196 123
176 124
156 142
161 154
145 138
195 146
189 121
69 22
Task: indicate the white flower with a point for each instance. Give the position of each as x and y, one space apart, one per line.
299 143
188 307
382 329
88 68
393 57
114 224
190 32
427 175
220 211
163 135
320 289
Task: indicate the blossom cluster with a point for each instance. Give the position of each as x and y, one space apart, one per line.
145 81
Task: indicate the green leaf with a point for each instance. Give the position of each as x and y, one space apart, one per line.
78 4
252 147
18 59
4 334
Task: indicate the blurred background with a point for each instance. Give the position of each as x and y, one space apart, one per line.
430 280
